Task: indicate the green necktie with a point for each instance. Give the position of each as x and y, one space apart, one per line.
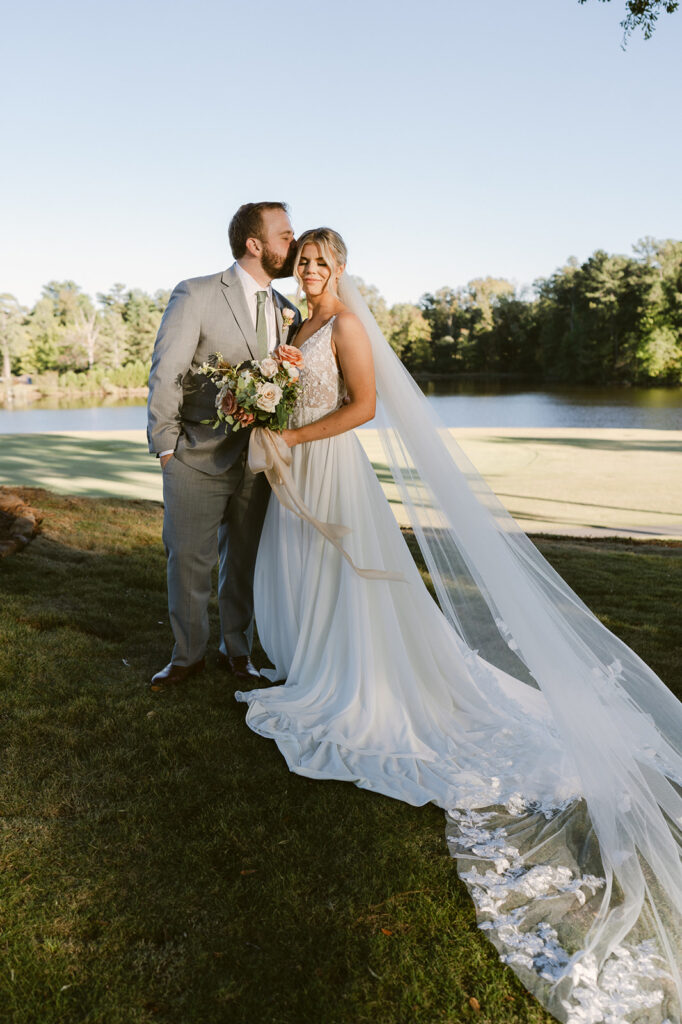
261 325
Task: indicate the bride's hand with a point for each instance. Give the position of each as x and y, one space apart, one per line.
289 437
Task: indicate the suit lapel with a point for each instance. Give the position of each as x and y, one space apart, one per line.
283 332
278 317
236 300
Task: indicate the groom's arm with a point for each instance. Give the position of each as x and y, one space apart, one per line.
174 350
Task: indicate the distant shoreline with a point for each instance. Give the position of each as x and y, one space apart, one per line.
540 384
26 395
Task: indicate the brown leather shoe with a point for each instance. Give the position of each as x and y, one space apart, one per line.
240 667
172 674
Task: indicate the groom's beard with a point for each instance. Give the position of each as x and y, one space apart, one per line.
278 266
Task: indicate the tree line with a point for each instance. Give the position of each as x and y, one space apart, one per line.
69 334
611 319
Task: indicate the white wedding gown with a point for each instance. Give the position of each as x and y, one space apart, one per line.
381 691
379 688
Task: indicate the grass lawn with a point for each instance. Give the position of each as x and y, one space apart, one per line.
160 864
568 481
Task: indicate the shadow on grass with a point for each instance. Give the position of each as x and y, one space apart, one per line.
590 443
84 464
529 520
589 504
159 862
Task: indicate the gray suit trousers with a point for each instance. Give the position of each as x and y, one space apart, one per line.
209 518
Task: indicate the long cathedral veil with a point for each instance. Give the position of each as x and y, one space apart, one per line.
583 900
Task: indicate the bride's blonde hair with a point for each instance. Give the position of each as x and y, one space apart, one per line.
332 249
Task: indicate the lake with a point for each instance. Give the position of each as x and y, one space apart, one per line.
459 403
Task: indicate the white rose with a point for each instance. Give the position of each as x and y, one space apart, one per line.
268 367
268 397
293 371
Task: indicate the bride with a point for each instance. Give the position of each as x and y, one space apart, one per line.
554 750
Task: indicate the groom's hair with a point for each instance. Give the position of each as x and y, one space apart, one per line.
248 223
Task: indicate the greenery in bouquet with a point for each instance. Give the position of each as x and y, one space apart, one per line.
257 392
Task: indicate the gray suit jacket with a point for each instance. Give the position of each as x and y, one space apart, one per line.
205 315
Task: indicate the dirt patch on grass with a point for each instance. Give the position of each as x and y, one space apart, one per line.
19 522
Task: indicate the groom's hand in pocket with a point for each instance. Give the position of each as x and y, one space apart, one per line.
163 459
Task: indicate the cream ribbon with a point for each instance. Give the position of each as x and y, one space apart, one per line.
270 454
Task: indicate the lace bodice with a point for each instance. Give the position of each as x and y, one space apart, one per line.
322 387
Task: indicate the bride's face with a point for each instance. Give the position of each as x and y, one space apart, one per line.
313 270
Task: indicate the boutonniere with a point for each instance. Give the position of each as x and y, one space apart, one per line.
288 316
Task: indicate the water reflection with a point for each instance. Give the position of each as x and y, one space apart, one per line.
62 401
486 402
463 402
659 398
81 414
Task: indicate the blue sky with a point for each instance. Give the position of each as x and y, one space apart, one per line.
445 140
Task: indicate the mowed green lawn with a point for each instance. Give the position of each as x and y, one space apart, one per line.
158 861
567 481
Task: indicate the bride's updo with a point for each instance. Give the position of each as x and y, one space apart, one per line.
332 249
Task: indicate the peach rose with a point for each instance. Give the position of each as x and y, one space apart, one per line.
268 397
268 367
229 403
289 354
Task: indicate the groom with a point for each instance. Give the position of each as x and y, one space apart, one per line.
213 505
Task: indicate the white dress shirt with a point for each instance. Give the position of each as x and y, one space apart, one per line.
250 286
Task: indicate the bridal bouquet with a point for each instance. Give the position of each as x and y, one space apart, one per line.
258 391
